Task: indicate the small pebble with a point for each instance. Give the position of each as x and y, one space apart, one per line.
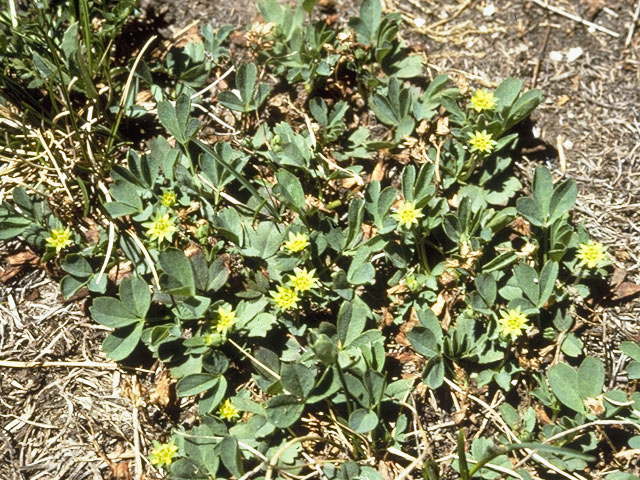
419 22
555 56
489 10
573 54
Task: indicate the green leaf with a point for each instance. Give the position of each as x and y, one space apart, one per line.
487 288
69 285
70 40
572 345
290 189
264 242
531 211
507 92
565 386
134 293
308 5
231 101
500 262
528 281
238 176
548 277
352 318
366 26
230 456
76 265
361 270
591 377
631 349
176 118
354 221
325 350
179 278
284 410
123 341
563 199
246 82
543 190
363 421
423 341
110 312
297 379
218 274
523 107
195 384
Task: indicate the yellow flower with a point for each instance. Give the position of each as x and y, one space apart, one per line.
59 239
513 323
593 254
169 199
161 228
228 411
163 453
285 298
407 214
482 100
226 320
303 280
296 243
482 142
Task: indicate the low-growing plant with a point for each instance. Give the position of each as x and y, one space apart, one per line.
272 272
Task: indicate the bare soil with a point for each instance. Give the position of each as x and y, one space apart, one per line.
79 416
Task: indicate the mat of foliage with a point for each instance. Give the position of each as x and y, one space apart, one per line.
327 250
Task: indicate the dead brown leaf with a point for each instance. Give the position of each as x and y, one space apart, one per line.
626 290
378 171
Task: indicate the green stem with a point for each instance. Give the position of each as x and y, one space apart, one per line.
344 386
422 252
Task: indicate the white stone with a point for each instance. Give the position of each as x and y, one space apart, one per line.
489 10
555 56
574 53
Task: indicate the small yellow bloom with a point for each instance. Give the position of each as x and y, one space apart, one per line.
482 100
59 239
482 142
296 243
285 297
226 320
228 411
303 280
161 228
407 214
163 453
169 199
513 323
593 254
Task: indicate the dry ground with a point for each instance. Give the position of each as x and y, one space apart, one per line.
81 417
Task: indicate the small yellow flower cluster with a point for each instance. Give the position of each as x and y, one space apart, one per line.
59 238
482 100
407 215
592 254
226 320
169 199
228 411
303 280
163 453
296 243
160 228
285 297
513 323
482 142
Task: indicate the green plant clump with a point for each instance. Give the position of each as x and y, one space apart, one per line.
272 268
